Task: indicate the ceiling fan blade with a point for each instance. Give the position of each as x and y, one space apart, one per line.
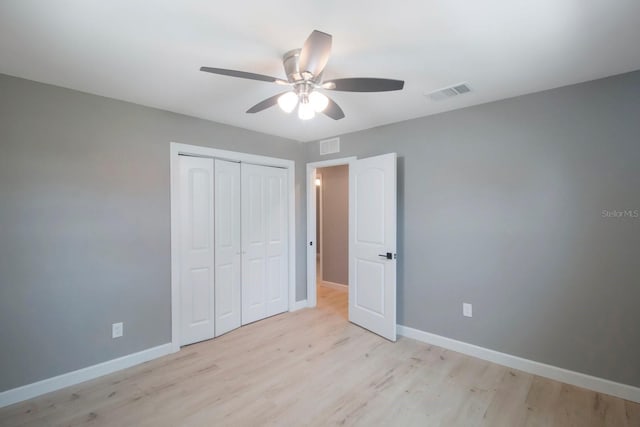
333 110
263 105
315 53
243 75
363 84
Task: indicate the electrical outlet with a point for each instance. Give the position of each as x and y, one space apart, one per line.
117 330
467 309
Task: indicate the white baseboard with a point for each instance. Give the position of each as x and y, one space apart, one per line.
75 377
600 385
334 285
299 305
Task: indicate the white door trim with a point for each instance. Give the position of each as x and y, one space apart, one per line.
311 222
175 149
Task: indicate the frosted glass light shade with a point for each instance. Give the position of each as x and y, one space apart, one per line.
318 101
288 102
305 111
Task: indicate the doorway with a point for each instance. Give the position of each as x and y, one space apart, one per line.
371 259
327 268
332 235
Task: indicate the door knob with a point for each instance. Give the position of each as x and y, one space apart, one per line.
388 255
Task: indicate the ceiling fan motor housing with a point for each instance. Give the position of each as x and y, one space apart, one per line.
290 61
302 84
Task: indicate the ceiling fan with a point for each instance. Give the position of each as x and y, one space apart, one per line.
304 68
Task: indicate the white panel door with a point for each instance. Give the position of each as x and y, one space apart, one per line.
276 202
227 246
264 242
196 255
372 244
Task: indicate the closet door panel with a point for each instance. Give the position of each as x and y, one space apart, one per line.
196 249
253 244
265 278
227 246
277 251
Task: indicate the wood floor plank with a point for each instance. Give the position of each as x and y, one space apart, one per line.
632 413
542 402
508 406
312 367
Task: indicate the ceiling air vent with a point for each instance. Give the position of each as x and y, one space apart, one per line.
329 146
449 92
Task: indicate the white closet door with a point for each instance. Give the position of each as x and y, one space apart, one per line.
277 241
196 257
227 246
264 242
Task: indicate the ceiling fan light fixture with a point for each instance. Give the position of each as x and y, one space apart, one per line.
288 101
306 111
318 101
304 68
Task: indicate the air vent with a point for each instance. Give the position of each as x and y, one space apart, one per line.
449 92
329 146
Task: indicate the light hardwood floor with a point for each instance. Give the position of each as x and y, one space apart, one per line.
312 367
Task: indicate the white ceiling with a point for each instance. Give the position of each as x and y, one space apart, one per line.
149 52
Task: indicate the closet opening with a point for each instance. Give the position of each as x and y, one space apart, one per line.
232 241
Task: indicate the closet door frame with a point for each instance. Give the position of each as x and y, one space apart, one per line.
175 150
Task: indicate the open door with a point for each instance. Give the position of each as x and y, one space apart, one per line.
372 244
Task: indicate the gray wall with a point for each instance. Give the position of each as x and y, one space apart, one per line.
500 205
335 225
85 224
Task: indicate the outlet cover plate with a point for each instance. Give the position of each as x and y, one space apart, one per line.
117 330
467 309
